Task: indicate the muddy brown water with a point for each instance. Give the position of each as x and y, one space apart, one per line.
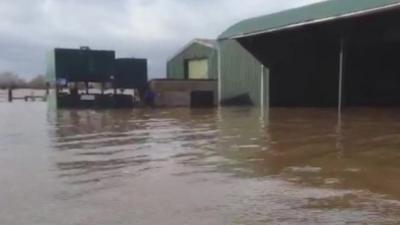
20 93
200 167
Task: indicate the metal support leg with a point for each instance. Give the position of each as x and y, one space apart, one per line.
219 74
267 92
341 71
10 95
87 87
262 88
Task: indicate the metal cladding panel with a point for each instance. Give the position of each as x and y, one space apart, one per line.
240 72
197 69
307 14
130 73
176 66
84 65
51 67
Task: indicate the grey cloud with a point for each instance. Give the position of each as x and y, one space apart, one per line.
153 29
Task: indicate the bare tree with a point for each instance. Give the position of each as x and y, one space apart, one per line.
38 82
11 80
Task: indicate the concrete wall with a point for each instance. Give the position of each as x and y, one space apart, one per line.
176 93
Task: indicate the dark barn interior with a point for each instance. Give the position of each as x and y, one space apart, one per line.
304 62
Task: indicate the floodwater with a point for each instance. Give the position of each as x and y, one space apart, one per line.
20 93
198 167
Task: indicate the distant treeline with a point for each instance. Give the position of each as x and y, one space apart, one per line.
12 80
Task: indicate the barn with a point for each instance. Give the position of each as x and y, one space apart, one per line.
330 54
199 60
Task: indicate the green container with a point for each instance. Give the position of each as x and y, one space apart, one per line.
80 65
130 73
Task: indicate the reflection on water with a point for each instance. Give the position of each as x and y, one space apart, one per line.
181 166
20 93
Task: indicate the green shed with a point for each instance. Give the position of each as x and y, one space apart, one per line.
195 61
240 75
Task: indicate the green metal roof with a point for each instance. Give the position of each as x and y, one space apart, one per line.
310 14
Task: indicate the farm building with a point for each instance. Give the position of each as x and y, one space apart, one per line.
196 60
199 60
240 78
332 53
191 77
81 78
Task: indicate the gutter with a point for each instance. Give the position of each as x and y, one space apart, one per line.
328 19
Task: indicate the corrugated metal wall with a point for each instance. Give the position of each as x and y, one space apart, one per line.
176 66
240 72
51 67
80 65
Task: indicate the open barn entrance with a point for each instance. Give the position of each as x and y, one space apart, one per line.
305 62
303 65
372 75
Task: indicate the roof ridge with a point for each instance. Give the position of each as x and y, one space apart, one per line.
303 15
210 43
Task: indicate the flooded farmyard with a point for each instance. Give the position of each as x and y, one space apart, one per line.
127 112
198 166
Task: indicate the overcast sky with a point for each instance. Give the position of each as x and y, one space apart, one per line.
153 29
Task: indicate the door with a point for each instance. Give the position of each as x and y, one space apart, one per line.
198 69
